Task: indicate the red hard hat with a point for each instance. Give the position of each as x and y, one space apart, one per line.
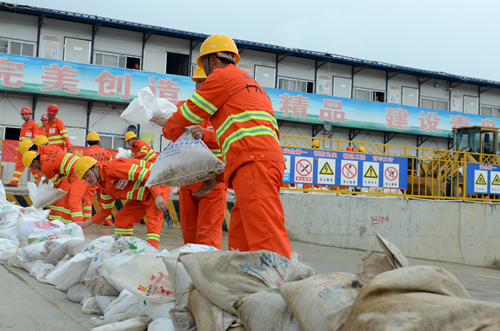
44 117
349 149
26 110
52 109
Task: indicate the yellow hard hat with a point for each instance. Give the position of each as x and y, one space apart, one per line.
24 146
218 43
198 74
28 158
93 136
315 143
40 140
129 135
362 149
83 165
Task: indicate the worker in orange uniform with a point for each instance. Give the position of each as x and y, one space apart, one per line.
29 129
102 156
201 217
126 179
55 129
41 129
242 115
58 167
140 150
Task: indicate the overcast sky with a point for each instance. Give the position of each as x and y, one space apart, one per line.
454 36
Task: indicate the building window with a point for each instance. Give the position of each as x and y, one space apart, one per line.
112 142
490 111
177 64
433 104
295 85
17 47
369 95
116 60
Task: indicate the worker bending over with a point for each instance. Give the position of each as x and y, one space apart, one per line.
125 179
242 115
140 150
201 217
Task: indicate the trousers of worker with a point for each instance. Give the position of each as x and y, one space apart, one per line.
202 217
59 210
18 170
75 198
88 199
257 218
134 211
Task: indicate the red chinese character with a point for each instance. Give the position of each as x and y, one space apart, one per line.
7 70
430 122
459 121
488 122
110 85
59 78
167 89
297 105
286 100
331 112
397 118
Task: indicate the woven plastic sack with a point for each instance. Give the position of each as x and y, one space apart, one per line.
123 153
184 162
46 195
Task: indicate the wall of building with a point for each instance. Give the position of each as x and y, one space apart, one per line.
18 26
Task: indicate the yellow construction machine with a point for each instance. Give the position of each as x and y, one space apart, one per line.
442 173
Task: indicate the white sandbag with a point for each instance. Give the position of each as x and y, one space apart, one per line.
91 307
2 193
26 264
32 189
226 277
146 277
34 251
187 161
6 244
46 195
104 301
146 106
183 320
58 253
111 264
317 302
70 273
161 324
156 310
265 311
43 271
123 153
134 324
77 293
189 248
122 304
99 286
180 280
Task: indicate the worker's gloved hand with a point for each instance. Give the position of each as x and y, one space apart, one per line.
197 132
45 180
206 187
86 223
161 121
70 150
160 204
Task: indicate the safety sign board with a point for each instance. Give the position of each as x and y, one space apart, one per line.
391 175
321 167
371 174
304 169
326 172
349 173
483 179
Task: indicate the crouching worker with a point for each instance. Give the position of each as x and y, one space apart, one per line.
125 179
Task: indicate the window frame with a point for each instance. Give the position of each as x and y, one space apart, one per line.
118 56
22 42
296 80
434 103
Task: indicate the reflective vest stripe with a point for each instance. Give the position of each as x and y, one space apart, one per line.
189 115
216 152
241 133
246 116
203 104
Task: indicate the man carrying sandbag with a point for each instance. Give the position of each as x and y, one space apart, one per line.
201 216
242 115
140 150
102 156
125 179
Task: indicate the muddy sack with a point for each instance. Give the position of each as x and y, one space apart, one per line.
47 194
184 162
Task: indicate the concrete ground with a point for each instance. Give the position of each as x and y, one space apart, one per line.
27 304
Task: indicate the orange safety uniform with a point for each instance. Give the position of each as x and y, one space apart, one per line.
58 166
126 179
142 151
41 131
102 156
57 134
246 128
55 212
201 217
28 132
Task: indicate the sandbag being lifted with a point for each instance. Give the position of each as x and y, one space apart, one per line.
185 162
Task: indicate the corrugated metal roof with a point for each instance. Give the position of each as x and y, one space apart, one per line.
248 44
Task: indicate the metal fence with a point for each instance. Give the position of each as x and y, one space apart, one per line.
432 173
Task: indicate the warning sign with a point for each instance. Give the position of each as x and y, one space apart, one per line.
303 169
370 174
286 176
349 173
495 182
391 175
326 171
481 181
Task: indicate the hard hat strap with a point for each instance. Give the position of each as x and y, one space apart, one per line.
96 176
207 64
